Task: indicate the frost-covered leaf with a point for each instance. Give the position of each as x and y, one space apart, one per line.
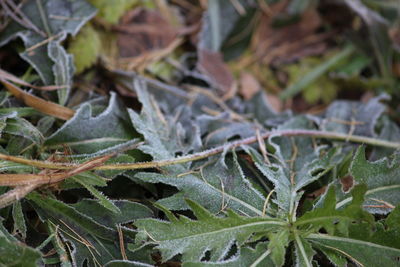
50 18
391 132
87 134
19 220
359 252
382 178
296 163
63 70
103 200
303 252
130 211
94 241
222 128
220 184
259 256
58 210
193 238
350 117
22 127
164 137
126 263
215 187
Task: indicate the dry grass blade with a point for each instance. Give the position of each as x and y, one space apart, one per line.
11 78
26 183
35 102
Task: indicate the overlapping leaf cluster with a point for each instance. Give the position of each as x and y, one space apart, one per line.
204 201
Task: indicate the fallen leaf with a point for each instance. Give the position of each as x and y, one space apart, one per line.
143 37
249 85
213 66
41 105
277 45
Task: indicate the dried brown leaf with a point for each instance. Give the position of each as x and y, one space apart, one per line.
35 102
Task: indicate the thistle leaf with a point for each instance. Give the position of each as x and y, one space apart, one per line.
193 238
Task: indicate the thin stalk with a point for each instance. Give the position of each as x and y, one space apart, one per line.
210 152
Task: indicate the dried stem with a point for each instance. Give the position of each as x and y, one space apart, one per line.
210 152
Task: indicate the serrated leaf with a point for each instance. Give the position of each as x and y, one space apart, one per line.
164 138
59 210
259 256
382 178
219 185
333 257
130 211
303 252
277 245
85 47
359 252
91 241
296 164
208 233
87 134
103 200
334 220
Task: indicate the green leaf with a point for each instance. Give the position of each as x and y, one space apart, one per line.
14 253
85 47
310 77
59 210
92 240
19 220
278 242
112 11
208 233
334 220
334 258
381 178
393 219
126 263
110 130
259 256
359 252
130 211
303 252
103 200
